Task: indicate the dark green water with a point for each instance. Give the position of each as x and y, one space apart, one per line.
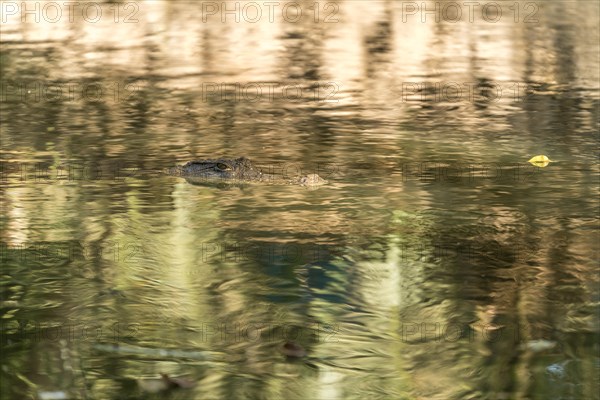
436 264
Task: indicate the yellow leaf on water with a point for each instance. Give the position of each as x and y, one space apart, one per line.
540 161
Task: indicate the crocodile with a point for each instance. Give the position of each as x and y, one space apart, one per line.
239 170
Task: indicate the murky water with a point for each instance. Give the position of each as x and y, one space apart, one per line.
436 264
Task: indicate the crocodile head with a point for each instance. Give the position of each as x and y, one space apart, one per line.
239 170
226 169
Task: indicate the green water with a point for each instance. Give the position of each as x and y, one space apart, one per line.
436 264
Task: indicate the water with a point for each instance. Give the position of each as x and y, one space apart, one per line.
437 263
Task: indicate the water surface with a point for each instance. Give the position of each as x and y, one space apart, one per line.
436 264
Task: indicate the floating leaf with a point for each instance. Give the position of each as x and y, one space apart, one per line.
540 158
164 383
56 395
539 345
540 161
152 385
293 350
177 382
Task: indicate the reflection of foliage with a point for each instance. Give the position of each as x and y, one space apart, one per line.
138 239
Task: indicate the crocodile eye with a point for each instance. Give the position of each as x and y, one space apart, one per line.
222 166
